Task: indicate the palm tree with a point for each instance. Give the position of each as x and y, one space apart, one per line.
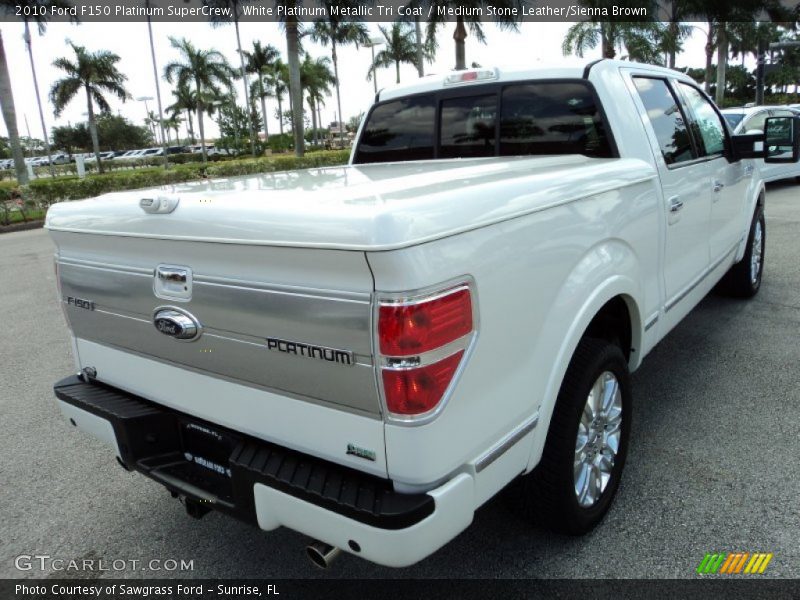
95 73
293 28
474 8
38 11
185 100
234 9
174 122
639 39
206 69
400 48
331 30
278 80
316 77
259 62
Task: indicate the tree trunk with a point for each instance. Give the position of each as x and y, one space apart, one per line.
607 42
280 113
459 36
313 118
295 89
420 58
93 131
39 101
10 117
397 69
722 61
263 108
338 96
709 57
200 123
673 37
190 125
244 78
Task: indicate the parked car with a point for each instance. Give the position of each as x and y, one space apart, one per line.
368 353
751 120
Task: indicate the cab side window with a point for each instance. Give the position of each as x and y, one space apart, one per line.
667 119
705 122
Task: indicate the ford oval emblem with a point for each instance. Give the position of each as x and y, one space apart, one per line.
176 323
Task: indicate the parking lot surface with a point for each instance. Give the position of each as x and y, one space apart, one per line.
712 466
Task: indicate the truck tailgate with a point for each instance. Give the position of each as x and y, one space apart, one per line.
285 335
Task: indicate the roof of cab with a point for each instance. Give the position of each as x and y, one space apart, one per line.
569 69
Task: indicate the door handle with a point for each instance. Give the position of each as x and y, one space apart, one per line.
718 185
675 204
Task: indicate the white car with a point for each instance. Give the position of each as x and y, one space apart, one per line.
751 120
368 353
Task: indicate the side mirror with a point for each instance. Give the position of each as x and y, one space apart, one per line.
782 140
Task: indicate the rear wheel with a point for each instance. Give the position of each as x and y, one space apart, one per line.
574 484
744 278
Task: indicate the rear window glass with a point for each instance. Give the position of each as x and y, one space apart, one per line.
545 117
468 126
398 131
551 118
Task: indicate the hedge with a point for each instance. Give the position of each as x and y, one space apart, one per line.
48 190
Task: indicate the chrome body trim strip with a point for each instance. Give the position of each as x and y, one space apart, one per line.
506 443
672 302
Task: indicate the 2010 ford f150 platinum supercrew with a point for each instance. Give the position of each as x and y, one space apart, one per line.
367 353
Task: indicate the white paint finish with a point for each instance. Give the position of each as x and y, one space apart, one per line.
531 288
92 424
317 430
364 207
392 548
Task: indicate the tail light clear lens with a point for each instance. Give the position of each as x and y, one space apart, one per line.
422 342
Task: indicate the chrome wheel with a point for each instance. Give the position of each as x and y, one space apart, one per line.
598 440
755 253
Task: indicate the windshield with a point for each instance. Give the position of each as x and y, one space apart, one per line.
545 117
733 119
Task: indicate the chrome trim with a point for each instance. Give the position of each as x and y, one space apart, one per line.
399 363
506 443
87 264
465 343
698 280
650 322
289 290
186 320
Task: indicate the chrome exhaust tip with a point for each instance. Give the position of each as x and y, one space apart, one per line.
322 554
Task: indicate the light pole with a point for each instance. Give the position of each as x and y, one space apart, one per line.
376 41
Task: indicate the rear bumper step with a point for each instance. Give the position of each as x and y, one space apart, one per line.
168 446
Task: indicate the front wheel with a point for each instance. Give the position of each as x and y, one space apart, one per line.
744 278
574 484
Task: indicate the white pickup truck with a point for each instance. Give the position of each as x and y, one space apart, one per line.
367 353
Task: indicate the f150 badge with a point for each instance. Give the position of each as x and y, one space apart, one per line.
176 323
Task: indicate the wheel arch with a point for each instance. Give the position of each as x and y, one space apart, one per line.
616 300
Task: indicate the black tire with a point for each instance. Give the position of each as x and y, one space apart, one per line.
739 281
547 496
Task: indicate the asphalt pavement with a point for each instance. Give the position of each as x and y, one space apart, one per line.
713 464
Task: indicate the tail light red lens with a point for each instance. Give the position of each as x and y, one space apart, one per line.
410 329
417 391
415 378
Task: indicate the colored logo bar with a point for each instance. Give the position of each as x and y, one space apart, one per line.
734 563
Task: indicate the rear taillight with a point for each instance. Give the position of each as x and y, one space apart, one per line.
422 342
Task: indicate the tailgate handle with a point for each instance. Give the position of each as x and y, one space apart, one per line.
172 274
